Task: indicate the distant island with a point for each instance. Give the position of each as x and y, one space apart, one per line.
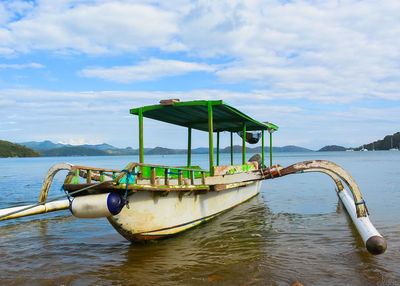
387 143
332 148
48 148
8 149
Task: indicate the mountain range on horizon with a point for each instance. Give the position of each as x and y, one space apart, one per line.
48 148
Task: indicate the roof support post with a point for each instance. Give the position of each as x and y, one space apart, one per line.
218 148
244 145
141 135
231 148
270 147
210 137
189 149
262 149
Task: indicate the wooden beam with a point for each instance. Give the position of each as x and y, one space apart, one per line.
167 102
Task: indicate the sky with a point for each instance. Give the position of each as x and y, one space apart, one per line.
325 72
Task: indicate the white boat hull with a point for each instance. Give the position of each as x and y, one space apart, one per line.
150 215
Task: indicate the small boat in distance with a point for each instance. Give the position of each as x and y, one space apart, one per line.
148 201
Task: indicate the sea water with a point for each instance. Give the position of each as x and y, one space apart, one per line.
296 230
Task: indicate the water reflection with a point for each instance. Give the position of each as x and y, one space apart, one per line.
294 231
209 252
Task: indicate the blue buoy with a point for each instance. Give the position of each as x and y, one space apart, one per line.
94 206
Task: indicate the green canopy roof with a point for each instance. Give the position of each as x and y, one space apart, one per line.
194 114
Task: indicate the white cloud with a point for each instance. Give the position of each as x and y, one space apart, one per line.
146 71
6 102
322 51
104 117
21 66
346 49
272 108
93 27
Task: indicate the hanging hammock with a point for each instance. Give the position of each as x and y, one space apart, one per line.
251 137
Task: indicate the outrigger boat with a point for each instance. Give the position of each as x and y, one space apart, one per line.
146 201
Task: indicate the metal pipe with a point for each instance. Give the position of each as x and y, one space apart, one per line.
231 148
244 144
189 151
270 148
210 138
217 148
141 136
262 149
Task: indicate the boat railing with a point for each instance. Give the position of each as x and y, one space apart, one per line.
139 171
155 172
90 173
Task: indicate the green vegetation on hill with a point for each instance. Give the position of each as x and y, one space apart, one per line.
8 149
164 151
48 148
332 148
388 142
289 148
73 151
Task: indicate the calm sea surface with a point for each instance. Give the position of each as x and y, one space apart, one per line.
294 231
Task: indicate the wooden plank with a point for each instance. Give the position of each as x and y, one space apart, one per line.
166 176
166 102
235 178
225 170
89 177
172 167
231 186
192 177
180 178
153 176
94 169
170 188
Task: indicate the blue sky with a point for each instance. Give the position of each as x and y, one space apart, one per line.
326 72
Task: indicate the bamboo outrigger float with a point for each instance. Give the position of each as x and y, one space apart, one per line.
144 201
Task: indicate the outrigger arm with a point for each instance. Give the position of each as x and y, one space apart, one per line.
356 208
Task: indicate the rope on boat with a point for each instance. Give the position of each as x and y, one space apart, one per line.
129 177
4 217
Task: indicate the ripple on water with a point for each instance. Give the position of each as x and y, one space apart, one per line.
294 231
